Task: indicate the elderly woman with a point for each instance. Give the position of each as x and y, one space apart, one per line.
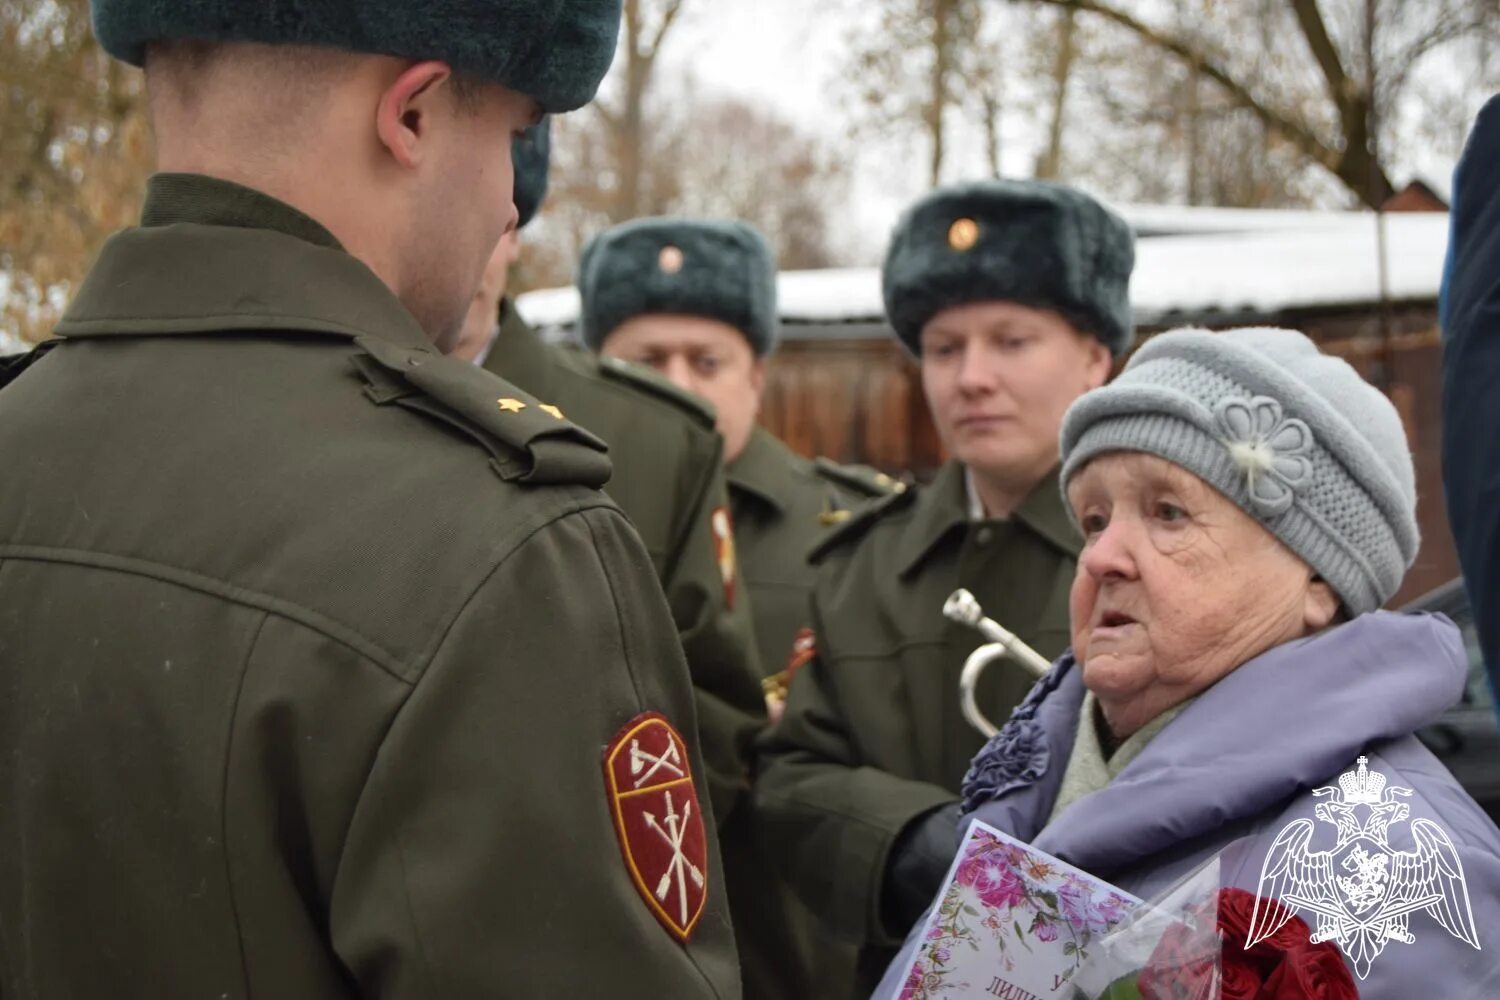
1247 505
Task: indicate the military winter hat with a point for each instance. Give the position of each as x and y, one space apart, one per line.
1293 436
694 267
554 51
531 155
1042 245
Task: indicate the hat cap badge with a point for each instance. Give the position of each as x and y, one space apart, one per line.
963 234
670 259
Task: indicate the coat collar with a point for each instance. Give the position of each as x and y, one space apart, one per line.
519 354
766 469
943 508
213 257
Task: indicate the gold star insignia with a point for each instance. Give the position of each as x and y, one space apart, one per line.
963 234
508 405
550 410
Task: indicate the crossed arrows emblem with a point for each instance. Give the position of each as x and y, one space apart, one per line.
679 869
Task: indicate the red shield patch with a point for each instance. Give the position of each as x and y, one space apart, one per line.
659 821
724 552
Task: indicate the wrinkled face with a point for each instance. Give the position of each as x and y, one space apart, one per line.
1176 586
998 377
484 309
462 205
703 356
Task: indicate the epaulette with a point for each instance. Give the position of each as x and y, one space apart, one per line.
646 380
528 440
861 480
12 365
859 521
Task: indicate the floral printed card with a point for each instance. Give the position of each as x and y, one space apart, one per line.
1011 922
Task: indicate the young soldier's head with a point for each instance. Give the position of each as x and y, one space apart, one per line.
1013 295
381 120
694 299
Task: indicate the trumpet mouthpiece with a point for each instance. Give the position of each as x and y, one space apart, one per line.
962 606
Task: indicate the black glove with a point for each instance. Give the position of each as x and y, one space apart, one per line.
915 868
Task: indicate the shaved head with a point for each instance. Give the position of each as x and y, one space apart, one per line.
405 163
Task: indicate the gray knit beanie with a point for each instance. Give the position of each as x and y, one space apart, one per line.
1294 437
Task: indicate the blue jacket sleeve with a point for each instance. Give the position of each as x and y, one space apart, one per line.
1469 313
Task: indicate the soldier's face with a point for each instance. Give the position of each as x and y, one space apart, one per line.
704 356
998 377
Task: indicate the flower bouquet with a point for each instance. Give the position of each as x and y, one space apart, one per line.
1193 944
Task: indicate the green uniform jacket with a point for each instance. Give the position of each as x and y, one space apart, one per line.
873 735
668 479
309 652
783 505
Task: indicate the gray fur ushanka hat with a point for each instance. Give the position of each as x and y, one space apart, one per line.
1042 245
718 269
554 51
1292 436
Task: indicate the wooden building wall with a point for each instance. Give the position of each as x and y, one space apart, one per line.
857 397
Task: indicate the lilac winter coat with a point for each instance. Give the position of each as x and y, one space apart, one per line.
1240 763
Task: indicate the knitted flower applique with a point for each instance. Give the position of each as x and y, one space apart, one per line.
1272 449
1017 755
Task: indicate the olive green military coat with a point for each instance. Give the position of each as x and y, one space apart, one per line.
783 505
873 735
310 652
669 480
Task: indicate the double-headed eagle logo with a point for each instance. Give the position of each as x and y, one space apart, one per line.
1362 892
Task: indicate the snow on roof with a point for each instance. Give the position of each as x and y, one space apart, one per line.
1271 262
1178 220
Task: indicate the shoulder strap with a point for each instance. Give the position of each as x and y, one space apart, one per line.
860 480
531 441
859 522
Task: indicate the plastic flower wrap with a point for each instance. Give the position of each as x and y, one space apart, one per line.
1191 944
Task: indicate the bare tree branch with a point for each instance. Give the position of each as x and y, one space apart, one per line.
667 17
1296 132
1340 87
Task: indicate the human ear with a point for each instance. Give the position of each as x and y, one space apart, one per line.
406 112
1096 364
1320 606
758 379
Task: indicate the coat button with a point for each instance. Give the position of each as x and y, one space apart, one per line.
984 535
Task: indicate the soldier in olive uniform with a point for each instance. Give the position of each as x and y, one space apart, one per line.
328 669
1013 297
668 478
697 302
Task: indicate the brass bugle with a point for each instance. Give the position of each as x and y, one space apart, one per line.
961 606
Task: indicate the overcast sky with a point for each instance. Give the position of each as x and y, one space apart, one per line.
788 53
